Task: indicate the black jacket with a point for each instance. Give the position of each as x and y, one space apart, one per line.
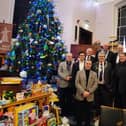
119 78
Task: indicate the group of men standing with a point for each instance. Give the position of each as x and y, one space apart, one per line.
92 81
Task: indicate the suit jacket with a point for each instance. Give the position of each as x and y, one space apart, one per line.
63 72
107 73
92 58
115 58
75 69
119 78
81 85
110 57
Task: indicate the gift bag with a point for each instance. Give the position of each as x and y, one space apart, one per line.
111 116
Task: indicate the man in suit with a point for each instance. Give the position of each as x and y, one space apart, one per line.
86 84
89 55
79 65
119 50
119 81
109 55
119 84
64 84
103 95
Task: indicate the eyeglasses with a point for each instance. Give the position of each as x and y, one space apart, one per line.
101 56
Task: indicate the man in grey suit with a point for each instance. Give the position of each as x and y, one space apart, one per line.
86 84
64 84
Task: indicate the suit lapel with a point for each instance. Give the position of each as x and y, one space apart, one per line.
89 79
83 77
65 65
105 66
78 65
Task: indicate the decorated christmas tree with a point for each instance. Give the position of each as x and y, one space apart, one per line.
39 47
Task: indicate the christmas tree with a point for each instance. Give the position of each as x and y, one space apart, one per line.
39 47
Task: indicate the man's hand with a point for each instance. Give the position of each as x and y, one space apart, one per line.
68 78
86 94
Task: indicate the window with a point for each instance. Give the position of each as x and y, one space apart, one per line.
85 36
121 29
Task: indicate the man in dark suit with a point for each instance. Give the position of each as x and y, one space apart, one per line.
86 84
109 55
79 65
119 50
103 94
119 82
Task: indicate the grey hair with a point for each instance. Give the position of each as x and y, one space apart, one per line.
101 53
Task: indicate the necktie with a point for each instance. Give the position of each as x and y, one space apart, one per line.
87 57
101 72
68 66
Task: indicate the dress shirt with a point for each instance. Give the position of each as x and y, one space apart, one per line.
81 65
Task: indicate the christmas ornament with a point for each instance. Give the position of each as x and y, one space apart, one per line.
39 11
23 74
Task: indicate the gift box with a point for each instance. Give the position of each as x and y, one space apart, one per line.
26 114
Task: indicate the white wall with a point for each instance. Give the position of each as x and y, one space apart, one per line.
85 10
71 10
106 20
6 10
64 10
102 18
68 12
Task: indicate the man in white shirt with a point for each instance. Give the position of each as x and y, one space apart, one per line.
79 65
89 55
103 94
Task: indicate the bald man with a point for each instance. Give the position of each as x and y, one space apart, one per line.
64 84
89 55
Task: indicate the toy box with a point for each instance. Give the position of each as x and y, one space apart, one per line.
26 114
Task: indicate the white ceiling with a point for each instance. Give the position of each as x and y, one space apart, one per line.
103 1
